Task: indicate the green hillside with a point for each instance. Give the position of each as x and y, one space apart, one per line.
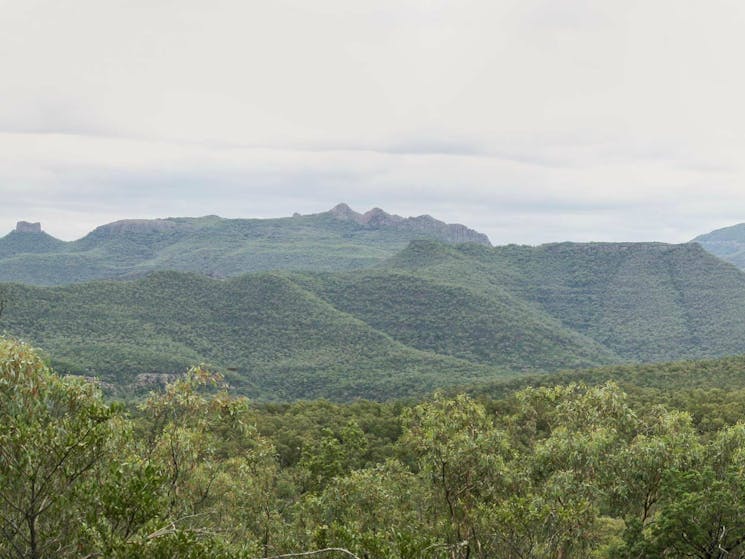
273 338
433 315
339 239
493 328
17 243
641 301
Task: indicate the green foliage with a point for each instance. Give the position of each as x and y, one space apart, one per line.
571 471
463 456
79 478
333 455
379 512
4 299
280 340
702 512
434 315
639 301
53 433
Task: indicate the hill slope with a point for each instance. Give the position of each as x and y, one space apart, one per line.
727 243
339 239
433 315
274 339
492 328
642 301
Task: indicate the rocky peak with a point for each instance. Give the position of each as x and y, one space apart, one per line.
428 226
344 213
378 218
28 227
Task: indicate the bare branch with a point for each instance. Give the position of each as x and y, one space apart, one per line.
316 552
171 527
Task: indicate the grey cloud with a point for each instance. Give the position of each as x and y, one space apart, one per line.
517 210
532 120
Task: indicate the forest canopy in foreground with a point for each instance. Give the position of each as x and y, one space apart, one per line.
567 471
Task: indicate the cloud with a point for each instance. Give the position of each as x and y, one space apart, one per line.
532 120
74 183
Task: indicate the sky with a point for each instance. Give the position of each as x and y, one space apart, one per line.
529 120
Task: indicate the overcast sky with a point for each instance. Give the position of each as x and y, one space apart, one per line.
530 120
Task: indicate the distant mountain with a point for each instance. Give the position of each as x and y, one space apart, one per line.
339 239
727 243
432 315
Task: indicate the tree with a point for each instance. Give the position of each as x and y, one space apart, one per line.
52 434
374 512
702 510
664 442
564 440
334 454
216 470
463 456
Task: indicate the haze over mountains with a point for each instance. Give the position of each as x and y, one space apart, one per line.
727 243
339 239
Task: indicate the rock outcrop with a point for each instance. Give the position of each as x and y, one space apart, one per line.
28 227
427 225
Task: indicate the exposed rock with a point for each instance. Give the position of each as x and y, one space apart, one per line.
379 219
27 227
345 213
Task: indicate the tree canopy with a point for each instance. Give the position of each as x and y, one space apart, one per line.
553 472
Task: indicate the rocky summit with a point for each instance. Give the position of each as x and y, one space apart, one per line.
426 224
27 227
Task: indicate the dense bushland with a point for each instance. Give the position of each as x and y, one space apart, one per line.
550 472
435 315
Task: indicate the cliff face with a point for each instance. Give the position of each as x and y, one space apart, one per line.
27 227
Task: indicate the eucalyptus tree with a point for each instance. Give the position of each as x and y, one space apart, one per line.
53 433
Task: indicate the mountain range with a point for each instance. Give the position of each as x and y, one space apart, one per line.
431 314
339 239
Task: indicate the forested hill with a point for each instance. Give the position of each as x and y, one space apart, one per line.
339 239
642 301
433 315
727 243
